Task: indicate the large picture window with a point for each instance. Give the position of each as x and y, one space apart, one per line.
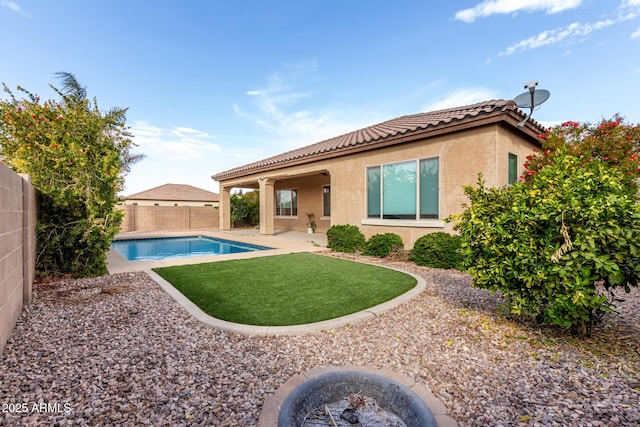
405 190
399 185
287 202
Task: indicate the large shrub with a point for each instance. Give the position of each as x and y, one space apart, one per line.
437 250
76 156
548 243
245 208
382 245
345 238
611 142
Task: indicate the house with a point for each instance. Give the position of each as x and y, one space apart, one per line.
403 176
173 195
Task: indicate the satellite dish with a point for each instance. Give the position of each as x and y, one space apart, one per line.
531 99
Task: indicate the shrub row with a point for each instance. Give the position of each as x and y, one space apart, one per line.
437 250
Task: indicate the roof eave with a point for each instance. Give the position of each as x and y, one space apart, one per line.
510 118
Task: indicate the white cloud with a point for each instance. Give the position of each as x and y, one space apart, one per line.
549 37
636 34
180 155
627 10
462 96
279 109
178 143
493 7
13 6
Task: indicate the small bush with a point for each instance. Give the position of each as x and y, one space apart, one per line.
381 245
345 238
437 250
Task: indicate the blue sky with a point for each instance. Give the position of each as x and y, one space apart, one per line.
211 85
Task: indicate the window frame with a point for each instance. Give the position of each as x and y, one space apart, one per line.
378 218
512 178
294 203
326 201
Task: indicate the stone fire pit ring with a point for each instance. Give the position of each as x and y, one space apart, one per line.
335 386
410 401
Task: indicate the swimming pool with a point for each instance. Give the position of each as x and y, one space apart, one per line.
179 247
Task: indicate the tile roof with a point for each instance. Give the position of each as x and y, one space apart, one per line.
176 192
388 130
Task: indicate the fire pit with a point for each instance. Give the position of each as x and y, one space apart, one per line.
362 394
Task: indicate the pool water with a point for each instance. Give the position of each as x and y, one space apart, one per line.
179 247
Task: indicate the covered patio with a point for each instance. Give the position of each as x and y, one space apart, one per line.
286 200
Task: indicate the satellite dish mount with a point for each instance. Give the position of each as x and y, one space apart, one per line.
531 99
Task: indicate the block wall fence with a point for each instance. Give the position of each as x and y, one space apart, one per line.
18 216
167 218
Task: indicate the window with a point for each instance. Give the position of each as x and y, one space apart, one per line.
326 200
399 190
405 190
286 202
373 192
429 188
513 169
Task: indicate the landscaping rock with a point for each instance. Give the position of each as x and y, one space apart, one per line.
116 350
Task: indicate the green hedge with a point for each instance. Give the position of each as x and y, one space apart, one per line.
381 245
437 250
345 238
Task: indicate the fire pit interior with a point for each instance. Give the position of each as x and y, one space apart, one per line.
352 398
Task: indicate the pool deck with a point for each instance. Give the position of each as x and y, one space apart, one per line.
283 242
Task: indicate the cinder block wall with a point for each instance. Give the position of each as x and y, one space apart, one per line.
17 248
166 218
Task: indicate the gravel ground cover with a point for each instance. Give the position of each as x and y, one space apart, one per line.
116 350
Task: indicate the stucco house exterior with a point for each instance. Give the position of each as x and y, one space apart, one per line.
173 195
403 176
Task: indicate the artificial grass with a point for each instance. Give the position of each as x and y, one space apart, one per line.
286 289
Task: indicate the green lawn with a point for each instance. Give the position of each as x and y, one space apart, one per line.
286 289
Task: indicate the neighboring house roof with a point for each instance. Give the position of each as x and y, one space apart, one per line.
393 131
175 192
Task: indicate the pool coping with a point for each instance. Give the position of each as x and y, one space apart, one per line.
116 263
326 325
247 247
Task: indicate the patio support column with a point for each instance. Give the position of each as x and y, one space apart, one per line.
225 208
267 205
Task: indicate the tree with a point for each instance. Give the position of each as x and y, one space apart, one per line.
555 243
245 208
76 156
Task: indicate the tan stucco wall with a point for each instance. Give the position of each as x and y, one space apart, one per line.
167 203
461 156
17 248
309 201
166 218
